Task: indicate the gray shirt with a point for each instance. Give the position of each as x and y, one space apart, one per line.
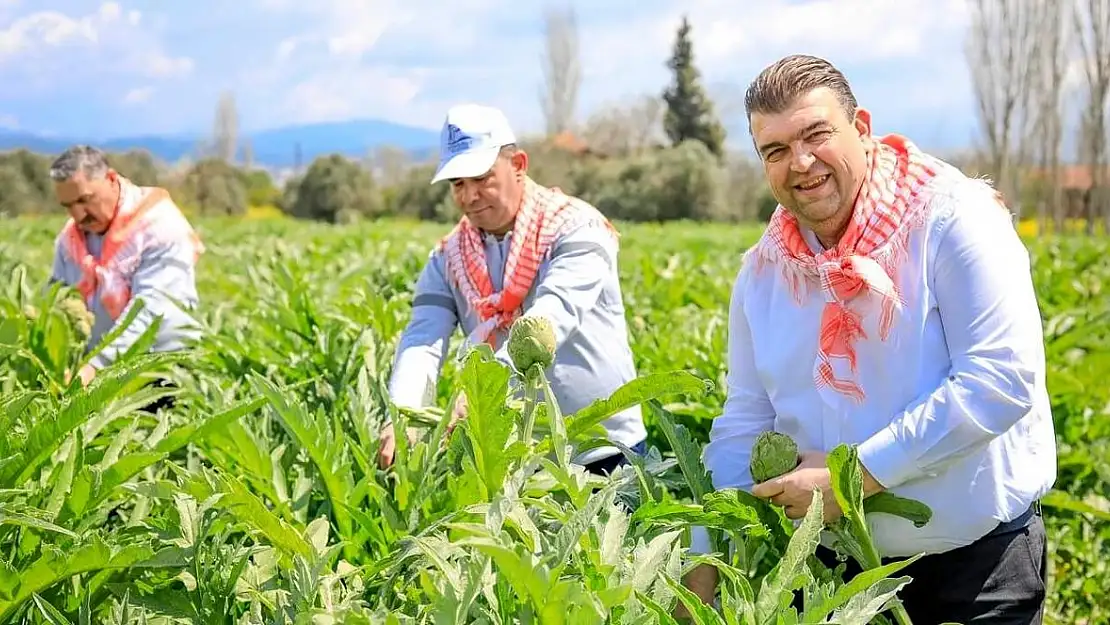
576 287
165 274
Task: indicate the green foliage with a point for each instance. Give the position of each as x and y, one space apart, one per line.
214 187
415 197
336 190
690 114
682 183
767 206
257 497
260 188
137 165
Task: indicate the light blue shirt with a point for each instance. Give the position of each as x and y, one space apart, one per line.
576 287
166 272
956 415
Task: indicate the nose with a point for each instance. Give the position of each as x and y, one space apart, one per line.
466 191
801 159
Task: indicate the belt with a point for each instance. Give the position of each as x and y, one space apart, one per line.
1022 520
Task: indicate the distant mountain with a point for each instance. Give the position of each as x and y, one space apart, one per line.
274 148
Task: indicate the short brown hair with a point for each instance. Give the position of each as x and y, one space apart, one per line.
780 84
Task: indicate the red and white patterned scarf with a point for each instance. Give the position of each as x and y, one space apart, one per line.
545 214
144 215
866 260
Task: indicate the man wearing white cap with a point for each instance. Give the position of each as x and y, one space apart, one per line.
519 249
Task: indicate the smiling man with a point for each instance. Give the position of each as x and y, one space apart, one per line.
519 248
123 243
889 305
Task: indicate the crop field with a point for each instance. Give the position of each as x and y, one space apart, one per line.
257 499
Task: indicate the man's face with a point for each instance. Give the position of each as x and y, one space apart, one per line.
491 201
90 202
814 156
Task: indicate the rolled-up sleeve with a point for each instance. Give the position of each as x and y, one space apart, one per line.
992 324
423 345
164 279
747 412
572 283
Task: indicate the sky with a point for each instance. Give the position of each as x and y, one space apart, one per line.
144 67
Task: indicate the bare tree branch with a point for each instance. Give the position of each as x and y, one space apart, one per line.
1047 90
1001 50
1092 24
626 130
225 130
562 69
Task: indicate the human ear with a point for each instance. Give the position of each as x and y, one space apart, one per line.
862 122
519 162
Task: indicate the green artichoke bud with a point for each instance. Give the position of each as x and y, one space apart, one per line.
531 342
75 310
773 454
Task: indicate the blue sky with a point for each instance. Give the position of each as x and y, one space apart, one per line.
139 67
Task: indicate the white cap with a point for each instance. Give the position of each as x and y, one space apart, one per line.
471 138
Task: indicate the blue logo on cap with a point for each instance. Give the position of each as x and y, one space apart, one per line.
457 140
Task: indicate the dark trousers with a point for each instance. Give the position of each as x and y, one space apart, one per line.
162 403
605 466
999 579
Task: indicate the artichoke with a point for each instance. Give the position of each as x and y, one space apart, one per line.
773 455
78 314
531 342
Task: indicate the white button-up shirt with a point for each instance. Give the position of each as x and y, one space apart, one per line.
956 412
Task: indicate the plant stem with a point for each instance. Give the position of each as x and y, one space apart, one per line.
530 406
901 615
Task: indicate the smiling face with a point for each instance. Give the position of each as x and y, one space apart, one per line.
491 201
815 158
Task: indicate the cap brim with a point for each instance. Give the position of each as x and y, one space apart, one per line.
467 165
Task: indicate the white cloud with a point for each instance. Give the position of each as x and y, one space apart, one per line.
46 41
138 95
159 65
44 29
365 93
329 56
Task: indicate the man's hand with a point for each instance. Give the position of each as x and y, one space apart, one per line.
702 581
387 445
87 373
794 491
458 413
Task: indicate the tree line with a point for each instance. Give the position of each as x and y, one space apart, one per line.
1035 65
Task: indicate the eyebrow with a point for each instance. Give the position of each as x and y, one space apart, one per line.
804 131
79 198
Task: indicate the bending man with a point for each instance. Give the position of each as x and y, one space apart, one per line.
518 249
123 243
